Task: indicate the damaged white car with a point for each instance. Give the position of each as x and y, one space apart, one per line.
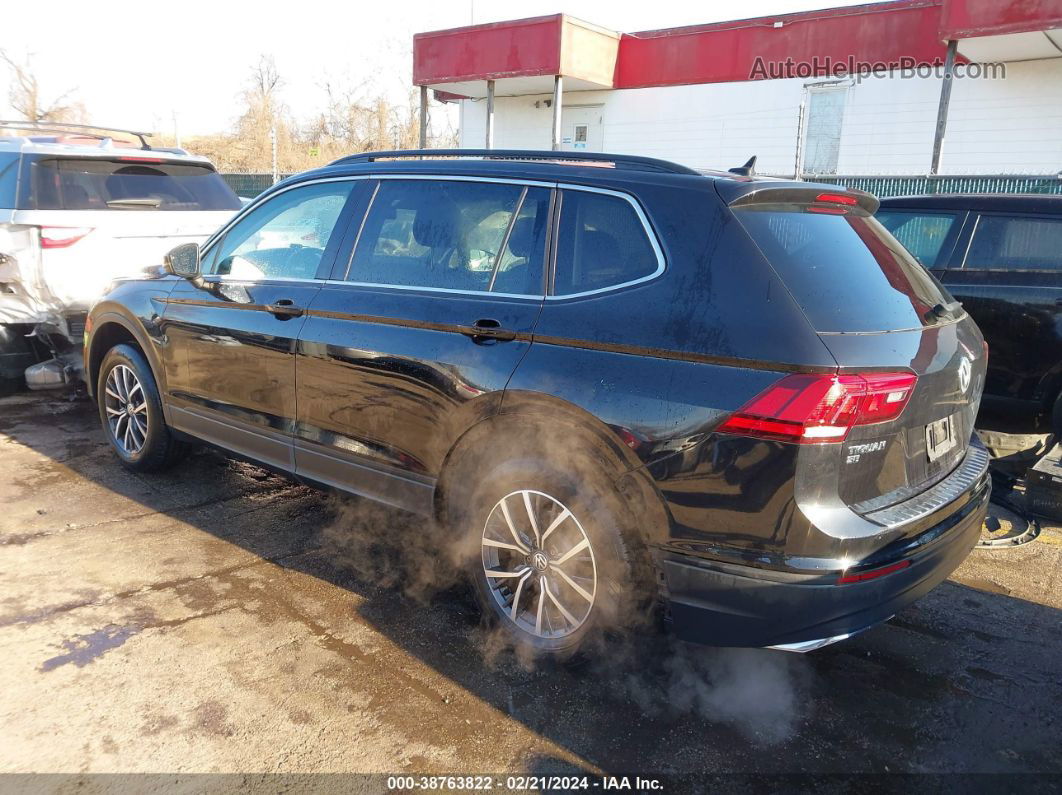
79 208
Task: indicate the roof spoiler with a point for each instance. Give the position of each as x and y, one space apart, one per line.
746 194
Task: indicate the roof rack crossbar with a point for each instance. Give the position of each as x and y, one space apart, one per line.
64 127
620 161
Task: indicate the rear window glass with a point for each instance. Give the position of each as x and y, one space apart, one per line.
601 243
8 179
923 234
1001 243
96 184
845 271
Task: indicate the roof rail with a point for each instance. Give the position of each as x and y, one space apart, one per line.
80 129
619 161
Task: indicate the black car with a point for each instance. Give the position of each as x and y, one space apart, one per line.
1001 256
598 374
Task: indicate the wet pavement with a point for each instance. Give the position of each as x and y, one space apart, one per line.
210 619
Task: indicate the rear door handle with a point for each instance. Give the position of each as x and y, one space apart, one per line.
486 330
285 308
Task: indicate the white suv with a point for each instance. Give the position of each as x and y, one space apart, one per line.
79 208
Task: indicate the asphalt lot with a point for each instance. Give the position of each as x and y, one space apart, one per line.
209 619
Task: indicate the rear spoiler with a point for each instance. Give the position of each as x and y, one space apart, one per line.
747 193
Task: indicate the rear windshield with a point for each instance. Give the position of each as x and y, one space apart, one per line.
129 185
845 270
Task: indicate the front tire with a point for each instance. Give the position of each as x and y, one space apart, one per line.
131 412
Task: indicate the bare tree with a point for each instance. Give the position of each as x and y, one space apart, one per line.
27 97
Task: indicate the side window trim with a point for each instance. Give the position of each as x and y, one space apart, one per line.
340 274
215 241
647 228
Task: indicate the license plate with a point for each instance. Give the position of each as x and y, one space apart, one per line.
941 437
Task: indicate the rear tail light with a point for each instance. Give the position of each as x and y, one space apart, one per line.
62 236
820 409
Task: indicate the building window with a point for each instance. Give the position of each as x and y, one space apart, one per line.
823 117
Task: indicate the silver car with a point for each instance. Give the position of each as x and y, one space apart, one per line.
79 208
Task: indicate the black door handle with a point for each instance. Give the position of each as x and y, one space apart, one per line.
486 330
285 308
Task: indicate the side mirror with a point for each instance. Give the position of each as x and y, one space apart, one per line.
183 260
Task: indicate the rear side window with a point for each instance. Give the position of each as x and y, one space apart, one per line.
923 234
601 243
97 184
454 235
1010 243
8 179
845 271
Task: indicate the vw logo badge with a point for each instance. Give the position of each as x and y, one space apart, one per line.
965 368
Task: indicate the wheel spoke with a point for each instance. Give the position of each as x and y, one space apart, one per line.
516 597
531 517
114 412
499 574
575 586
140 409
541 605
512 529
490 542
111 392
127 436
556 523
571 553
556 602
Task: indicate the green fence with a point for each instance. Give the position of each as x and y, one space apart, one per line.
250 185
907 186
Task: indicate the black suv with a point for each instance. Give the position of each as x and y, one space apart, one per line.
1001 256
597 374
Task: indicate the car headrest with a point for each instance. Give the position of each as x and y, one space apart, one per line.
605 250
436 223
522 238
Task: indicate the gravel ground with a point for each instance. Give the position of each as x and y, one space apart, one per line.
214 619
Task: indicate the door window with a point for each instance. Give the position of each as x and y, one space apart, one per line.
923 234
286 236
1011 243
602 242
454 235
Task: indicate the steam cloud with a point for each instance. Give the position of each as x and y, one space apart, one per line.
756 691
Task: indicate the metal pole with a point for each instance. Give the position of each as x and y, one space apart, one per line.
273 141
490 114
423 117
942 109
558 100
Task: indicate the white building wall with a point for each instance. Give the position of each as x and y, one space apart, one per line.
1013 125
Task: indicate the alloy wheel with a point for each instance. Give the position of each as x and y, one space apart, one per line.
126 406
539 564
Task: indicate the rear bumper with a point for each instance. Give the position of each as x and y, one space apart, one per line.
721 604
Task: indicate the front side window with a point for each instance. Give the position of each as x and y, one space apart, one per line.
454 235
923 234
601 243
286 236
1011 243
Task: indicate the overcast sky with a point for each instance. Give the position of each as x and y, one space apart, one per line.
137 65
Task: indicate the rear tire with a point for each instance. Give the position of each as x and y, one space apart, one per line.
556 584
130 411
